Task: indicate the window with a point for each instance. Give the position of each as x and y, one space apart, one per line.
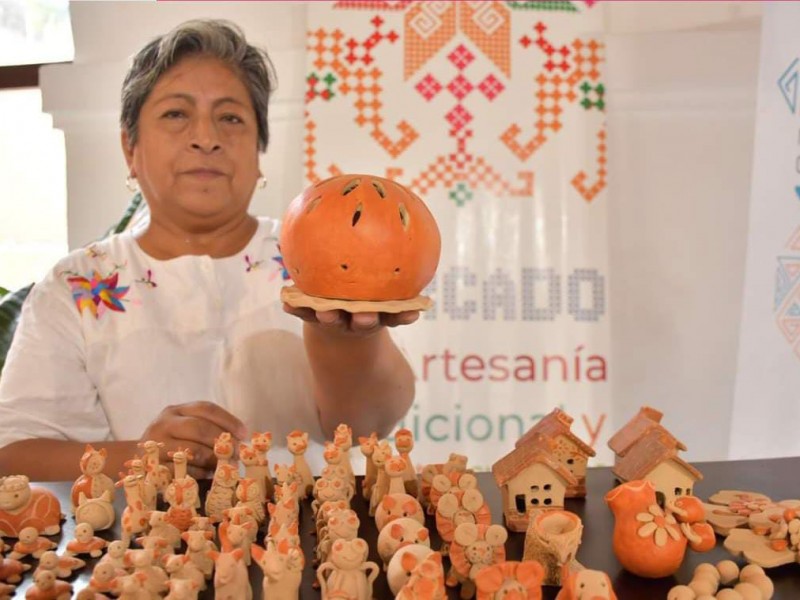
678 491
35 32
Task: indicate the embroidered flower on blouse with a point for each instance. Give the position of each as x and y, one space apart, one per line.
282 270
96 293
658 525
148 281
250 264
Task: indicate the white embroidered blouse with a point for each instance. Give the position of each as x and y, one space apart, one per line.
112 336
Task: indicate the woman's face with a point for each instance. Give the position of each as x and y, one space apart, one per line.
196 156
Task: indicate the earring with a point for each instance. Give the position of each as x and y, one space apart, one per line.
262 182
132 184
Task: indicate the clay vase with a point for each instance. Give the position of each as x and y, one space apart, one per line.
646 542
552 539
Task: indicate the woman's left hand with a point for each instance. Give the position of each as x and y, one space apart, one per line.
358 324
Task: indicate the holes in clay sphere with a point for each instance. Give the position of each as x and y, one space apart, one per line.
357 214
379 188
350 186
313 204
396 270
405 218
344 267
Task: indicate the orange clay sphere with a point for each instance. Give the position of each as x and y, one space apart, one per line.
360 237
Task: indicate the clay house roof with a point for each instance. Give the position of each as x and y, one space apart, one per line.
652 448
646 419
538 449
553 425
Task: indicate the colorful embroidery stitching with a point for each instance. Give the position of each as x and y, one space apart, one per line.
148 281
97 293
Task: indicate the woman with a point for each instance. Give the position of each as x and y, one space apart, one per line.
174 332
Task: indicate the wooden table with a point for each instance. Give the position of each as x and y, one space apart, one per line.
776 478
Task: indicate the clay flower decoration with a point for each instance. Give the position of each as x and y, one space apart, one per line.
97 293
657 524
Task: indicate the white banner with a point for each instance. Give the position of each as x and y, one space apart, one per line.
766 407
493 112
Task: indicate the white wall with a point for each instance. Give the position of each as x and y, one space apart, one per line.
681 81
681 122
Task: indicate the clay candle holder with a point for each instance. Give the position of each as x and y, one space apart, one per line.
359 243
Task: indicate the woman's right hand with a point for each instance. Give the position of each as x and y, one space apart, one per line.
194 426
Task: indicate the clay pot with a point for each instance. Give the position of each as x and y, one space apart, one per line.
360 237
646 542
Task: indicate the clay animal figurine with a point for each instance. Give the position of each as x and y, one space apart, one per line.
31 543
86 542
222 494
456 463
11 570
343 439
135 517
474 547
401 532
248 494
143 562
327 490
180 566
426 581
93 483
513 579
648 542
7 591
457 505
223 448
262 442
231 581
62 565
198 545
342 525
404 442
104 578
283 569
182 589
380 455
587 584
257 468
395 468
116 556
47 587
368 445
133 587
297 444
136 466
238 533
394 506
97 512
161 528
402 564
283 513
24 506
347 573
159 474
183 496
552 539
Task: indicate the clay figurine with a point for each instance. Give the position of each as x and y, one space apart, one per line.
456 463
222 494
380 455
394 506
223 448
116 556
461 503
552 540
31 543
587 584
297 444
751 583
97 512
647 541
513 579
47 587
182 589
86 542
135 517
231 581
104 578
426 581
401 566
400 533
341 525
149 493
343 439
183 496
62 565
180 566
347 573
198 545
257 469
143 562
159 474
381 246
23 506
404 442
262 442
11 570
283 570
93 483
368 445
474 547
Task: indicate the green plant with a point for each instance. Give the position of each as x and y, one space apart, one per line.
11 302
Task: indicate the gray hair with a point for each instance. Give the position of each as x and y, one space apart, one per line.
215 38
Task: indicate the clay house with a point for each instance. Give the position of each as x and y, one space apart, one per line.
654 456
531 477
569 449
645 420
